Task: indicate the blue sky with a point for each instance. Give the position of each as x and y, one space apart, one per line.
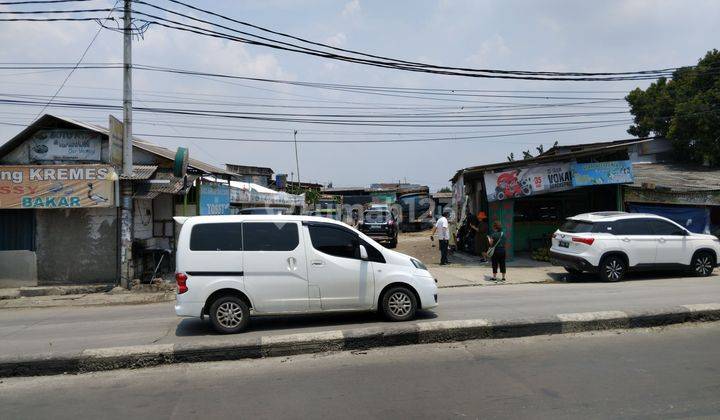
568 35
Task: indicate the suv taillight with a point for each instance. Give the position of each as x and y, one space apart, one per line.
586 241
181 280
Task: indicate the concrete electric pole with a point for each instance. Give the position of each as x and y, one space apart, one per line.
126 211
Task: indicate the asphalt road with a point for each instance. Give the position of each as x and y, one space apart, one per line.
51 330
660 373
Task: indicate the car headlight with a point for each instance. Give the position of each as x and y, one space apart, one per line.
418 264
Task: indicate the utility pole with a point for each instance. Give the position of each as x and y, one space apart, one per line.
126 211
297 162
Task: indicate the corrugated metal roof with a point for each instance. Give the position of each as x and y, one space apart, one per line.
676 176
141 172
48 119
583 150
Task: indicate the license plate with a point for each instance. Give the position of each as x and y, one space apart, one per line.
564 244
375 227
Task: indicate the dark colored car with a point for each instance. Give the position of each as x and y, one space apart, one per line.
380 225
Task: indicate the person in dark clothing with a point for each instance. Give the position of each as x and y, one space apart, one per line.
497 241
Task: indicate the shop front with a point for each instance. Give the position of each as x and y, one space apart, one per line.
531 198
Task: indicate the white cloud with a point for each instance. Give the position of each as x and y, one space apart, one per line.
490 51
337 40
351 8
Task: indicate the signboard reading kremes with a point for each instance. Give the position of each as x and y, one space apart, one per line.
56 186
61 144
531 180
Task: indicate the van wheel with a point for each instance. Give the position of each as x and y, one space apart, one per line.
703 264
399 304
229 315
613 268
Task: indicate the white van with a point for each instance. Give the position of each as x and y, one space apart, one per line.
233 267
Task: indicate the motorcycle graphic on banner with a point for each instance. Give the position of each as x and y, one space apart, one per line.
526 181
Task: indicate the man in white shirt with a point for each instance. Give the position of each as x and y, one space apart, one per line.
442 229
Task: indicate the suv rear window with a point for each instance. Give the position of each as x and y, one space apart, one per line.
577 226
216 237
377 216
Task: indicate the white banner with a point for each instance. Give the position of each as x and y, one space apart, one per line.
61 144
522 182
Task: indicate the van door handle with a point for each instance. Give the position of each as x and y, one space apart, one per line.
661 240
318 263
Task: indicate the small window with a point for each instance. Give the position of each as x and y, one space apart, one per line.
661 227
576 226
335 241
216 237
270 236
633 227
373 254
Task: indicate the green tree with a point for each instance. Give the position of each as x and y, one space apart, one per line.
685 109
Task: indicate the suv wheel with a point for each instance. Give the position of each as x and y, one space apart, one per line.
703 264
399 304
613 268
393 242
229 314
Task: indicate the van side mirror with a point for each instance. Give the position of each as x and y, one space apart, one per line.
363 253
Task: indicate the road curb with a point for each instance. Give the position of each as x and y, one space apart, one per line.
238 347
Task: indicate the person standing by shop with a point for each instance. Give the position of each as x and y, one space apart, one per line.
480 230
442 229
497 250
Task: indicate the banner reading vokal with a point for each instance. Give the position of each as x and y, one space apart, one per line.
56 186
531 180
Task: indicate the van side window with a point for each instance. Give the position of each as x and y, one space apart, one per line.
335 241
269 236
216 237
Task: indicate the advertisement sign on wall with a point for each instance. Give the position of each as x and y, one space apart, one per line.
116 142
522 182
602 173
60 144
56 186
214 199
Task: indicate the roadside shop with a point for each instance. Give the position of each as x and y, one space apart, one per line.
532 197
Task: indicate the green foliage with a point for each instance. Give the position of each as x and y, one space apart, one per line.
445 189
311 196
685 109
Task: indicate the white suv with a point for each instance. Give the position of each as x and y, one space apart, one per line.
611 243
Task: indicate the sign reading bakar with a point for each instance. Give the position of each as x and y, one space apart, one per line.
602 173
531 180
56 186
